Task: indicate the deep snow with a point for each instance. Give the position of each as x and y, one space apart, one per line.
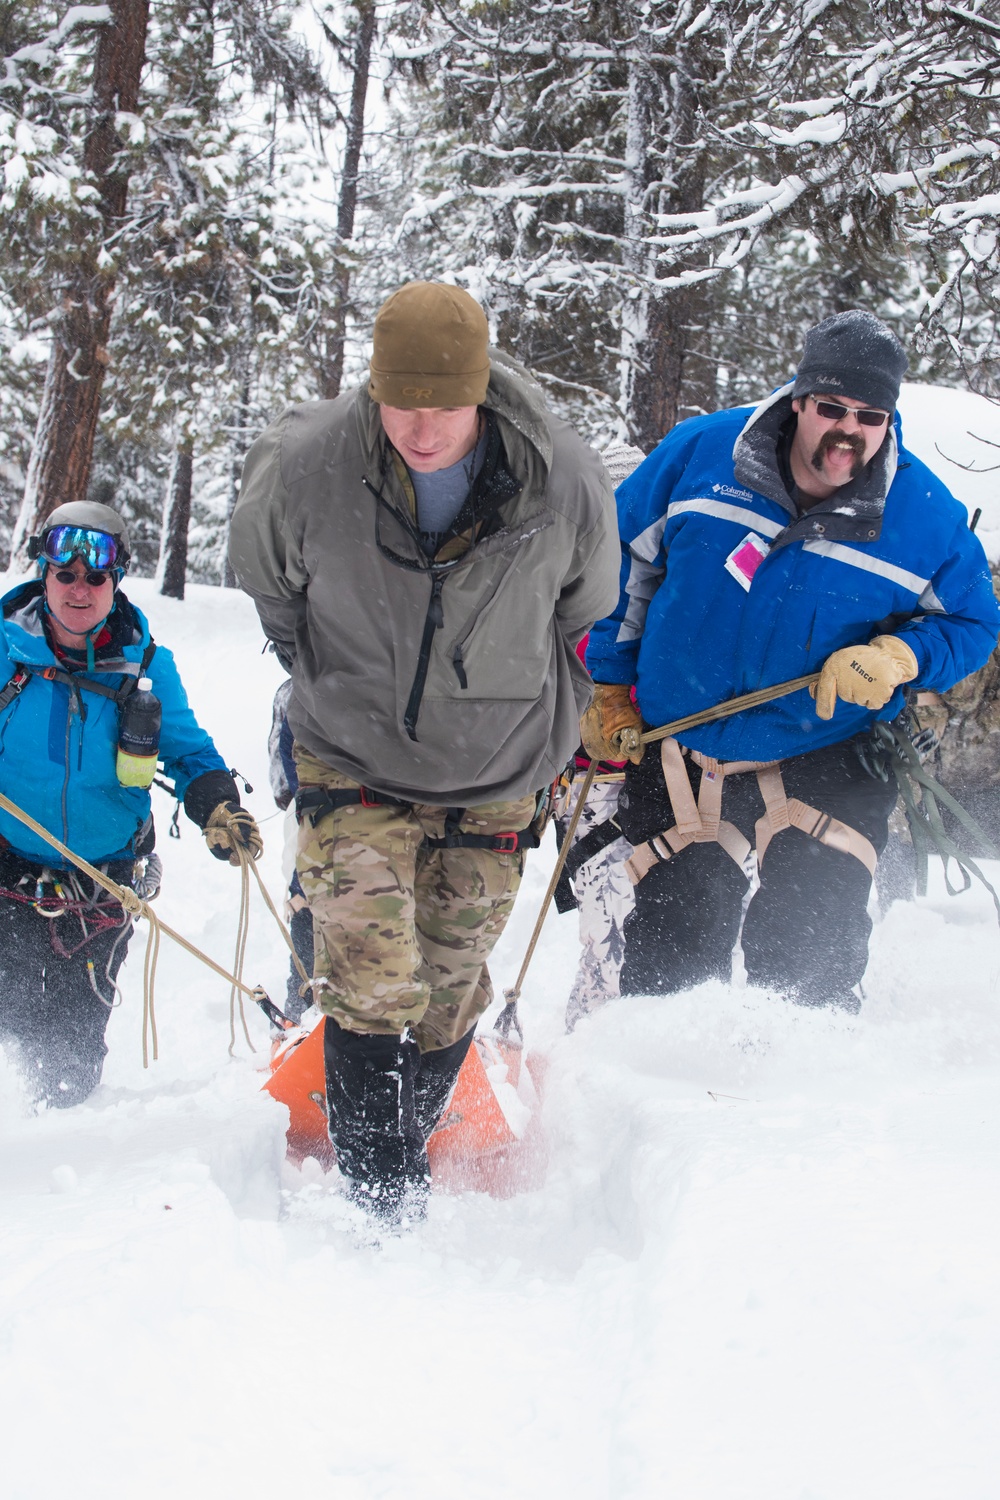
762 1265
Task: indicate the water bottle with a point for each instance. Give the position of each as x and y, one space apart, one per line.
139 736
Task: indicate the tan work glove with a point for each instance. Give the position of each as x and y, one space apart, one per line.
229 828
866 675
611 726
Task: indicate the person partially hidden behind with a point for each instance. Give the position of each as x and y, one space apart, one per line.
759 546
74 652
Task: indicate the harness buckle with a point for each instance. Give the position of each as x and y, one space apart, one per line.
368 798
505 843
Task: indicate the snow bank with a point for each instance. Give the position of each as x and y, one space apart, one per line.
957 435
761 1265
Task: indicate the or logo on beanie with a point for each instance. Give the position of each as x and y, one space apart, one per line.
425 332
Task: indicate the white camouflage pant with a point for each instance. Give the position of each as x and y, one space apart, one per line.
604 893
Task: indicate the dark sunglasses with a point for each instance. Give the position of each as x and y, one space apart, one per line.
92 576
832 411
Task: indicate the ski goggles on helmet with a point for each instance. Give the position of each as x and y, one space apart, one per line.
99 550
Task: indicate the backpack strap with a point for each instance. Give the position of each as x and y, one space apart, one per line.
15 686
23 674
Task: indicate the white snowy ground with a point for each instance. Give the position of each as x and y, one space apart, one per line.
762 1265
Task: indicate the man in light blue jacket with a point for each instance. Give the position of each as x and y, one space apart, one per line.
759 546
73 650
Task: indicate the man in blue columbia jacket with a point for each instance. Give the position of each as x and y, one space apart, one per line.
759 546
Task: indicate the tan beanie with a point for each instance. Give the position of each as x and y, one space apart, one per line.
430 348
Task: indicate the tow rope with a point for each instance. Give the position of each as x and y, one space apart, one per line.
135 906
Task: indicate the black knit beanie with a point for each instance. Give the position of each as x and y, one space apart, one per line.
852 354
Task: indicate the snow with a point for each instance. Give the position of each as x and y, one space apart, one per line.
957 434
761 1264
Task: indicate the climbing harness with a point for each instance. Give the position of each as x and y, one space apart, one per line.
134 906
62 896
701 822
631 739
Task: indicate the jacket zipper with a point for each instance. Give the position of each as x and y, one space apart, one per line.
70 711
458 663
433 621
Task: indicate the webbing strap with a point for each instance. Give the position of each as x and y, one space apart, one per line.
701 822
783 812
698 822
599 838
23 672
499 843
317 802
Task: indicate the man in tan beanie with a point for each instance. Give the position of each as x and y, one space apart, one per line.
424 552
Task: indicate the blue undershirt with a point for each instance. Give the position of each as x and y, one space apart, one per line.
441 495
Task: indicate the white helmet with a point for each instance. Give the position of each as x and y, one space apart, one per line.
76 529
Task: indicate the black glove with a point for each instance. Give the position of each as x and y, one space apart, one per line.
206 792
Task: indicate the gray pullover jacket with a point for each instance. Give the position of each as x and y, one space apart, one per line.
453 684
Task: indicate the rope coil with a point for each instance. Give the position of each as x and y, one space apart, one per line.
136 907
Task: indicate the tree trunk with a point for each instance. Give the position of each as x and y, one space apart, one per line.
59 469
172 571
659 321
239 449
333 362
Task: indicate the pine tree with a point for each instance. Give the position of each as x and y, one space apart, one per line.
63 98
617 174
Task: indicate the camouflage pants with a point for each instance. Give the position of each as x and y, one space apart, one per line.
403 932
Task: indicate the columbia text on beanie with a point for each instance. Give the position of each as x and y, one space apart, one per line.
852 354
430 348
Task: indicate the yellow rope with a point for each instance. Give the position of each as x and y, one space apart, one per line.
136 907
296 960
513 995
721 710
242 933
148 981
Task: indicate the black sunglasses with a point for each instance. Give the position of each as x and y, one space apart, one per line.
93 576
832 411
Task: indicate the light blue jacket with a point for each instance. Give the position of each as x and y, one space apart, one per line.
890 553
58 749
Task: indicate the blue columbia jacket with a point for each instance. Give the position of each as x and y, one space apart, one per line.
57 761
888 554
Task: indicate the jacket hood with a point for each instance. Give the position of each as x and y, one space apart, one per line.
861 503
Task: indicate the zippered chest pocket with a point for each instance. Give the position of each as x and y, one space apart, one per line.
503 648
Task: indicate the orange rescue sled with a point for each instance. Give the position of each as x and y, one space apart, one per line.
488 1139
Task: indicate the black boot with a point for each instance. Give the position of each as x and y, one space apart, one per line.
373 1122
438 1073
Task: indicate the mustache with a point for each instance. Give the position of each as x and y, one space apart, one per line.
852 440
